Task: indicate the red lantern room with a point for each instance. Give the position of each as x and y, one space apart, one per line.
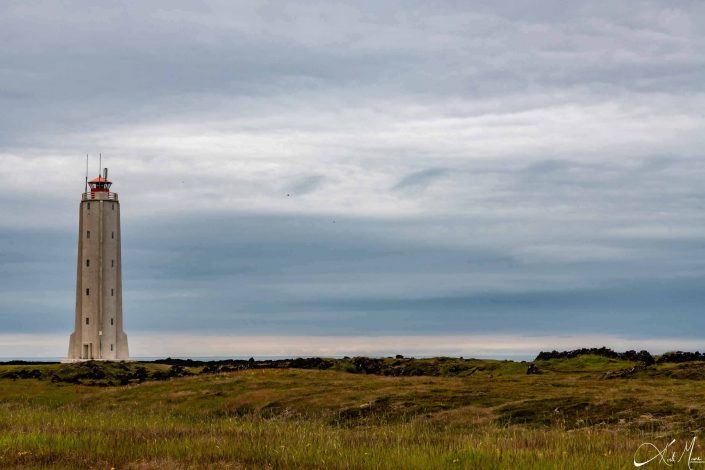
101 184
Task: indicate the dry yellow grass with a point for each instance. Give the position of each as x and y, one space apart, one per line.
568 417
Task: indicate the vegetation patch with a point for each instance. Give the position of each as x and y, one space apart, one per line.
642 356
381 413
567 412
99 373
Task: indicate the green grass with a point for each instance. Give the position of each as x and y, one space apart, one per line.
586 363
468 414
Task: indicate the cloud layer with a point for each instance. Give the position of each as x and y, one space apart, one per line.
361 168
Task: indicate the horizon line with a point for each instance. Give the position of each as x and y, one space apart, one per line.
486 346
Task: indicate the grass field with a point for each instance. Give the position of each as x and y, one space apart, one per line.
468 414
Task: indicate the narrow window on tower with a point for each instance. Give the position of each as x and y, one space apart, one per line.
88 263
112 263
112 292
88 234
88 292
89 206
112 234
111 321
86 320
113 205
111 347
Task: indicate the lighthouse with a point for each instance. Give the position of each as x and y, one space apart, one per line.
98 333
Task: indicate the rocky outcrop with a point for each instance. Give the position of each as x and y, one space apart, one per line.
643 357
625 373
681 356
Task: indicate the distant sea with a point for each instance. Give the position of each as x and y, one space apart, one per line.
258 358
148 358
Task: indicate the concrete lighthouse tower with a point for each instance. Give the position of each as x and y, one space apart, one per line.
98 333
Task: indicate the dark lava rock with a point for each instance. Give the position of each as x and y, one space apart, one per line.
681 356
310 363
22 374
178 371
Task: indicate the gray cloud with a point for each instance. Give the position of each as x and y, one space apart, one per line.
305 184
419 180
301 275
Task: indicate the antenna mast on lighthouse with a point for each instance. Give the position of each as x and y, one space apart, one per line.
85 189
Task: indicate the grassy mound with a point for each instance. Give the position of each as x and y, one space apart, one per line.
346 413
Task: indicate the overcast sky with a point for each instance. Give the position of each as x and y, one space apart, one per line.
365 169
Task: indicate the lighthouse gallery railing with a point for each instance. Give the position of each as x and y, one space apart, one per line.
99 196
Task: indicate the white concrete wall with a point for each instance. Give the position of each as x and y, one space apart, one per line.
99 283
